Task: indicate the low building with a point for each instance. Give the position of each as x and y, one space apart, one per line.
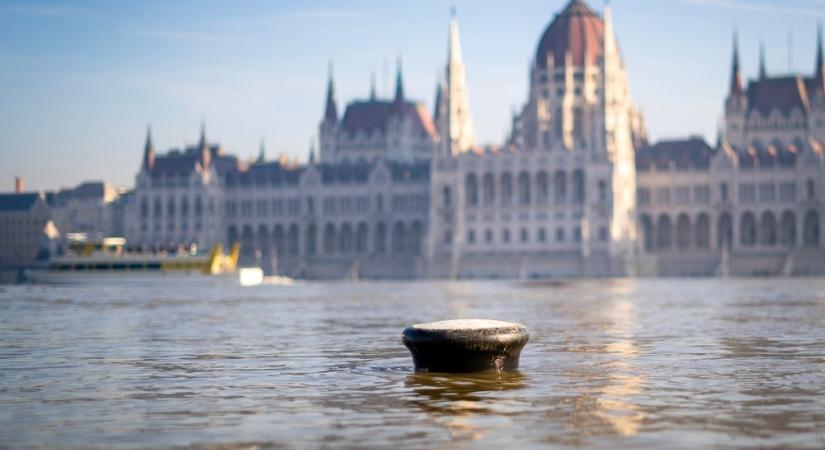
23 218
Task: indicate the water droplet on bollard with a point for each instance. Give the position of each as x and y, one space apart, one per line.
465 345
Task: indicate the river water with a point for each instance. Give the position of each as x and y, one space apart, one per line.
610 364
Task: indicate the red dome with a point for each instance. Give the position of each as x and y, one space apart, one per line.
577 30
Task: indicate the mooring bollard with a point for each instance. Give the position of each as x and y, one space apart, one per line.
465 345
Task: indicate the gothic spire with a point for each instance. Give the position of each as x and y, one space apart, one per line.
456 123
261 156
331 111
736 85
149 150
820 62
399 84
203 147
372 86
763 73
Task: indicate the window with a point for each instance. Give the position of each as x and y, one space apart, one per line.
577 234
603 192
488 236
767 192
559 234
542 235
603 234
643 196
663 196
448 237
701 194
447 196
471 236
681 195
747 193
810 189
525 236
723 192
505 236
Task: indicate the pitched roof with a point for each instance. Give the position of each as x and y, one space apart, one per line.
374 115
693 152
18 202
781 93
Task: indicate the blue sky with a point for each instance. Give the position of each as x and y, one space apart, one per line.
80 81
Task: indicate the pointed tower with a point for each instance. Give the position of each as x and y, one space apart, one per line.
372 87
398 99
737 88
261 156
331 110
328 129
149 151
819 76
455 122
205 156
763 73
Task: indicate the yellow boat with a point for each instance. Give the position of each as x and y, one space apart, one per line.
108 261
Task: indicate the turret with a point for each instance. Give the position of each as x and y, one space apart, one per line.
398 100
203 148
737 88
819 76
148 151
261 156
331 110
763 73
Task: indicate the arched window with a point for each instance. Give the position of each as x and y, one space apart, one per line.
506 189
416 235
380 238
170 207
647 232
184 206
787 229
542 188
489 189
560 187
524 189
703 231
683 232
311 237
810 232
578 186
329 239
279 239
198 206
345 239
447 196
361 238
144 208
767 229
664 233
471 190
747 229
399 238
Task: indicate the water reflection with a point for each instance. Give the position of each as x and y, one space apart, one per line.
460 401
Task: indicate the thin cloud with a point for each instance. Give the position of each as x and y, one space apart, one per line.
206 38
327 13
43 11
744 5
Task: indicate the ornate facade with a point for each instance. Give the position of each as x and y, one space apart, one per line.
575 190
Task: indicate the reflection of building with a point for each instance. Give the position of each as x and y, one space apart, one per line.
754 204
575 190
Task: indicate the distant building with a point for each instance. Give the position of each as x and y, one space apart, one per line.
87 208
24 217
576 189
755 203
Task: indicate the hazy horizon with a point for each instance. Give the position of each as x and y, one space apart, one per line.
80 82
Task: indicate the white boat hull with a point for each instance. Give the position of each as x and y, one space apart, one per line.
248 276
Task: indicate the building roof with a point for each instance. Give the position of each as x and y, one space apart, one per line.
264 174
693 153
577 30
373 116
19 202
183 163
782 93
